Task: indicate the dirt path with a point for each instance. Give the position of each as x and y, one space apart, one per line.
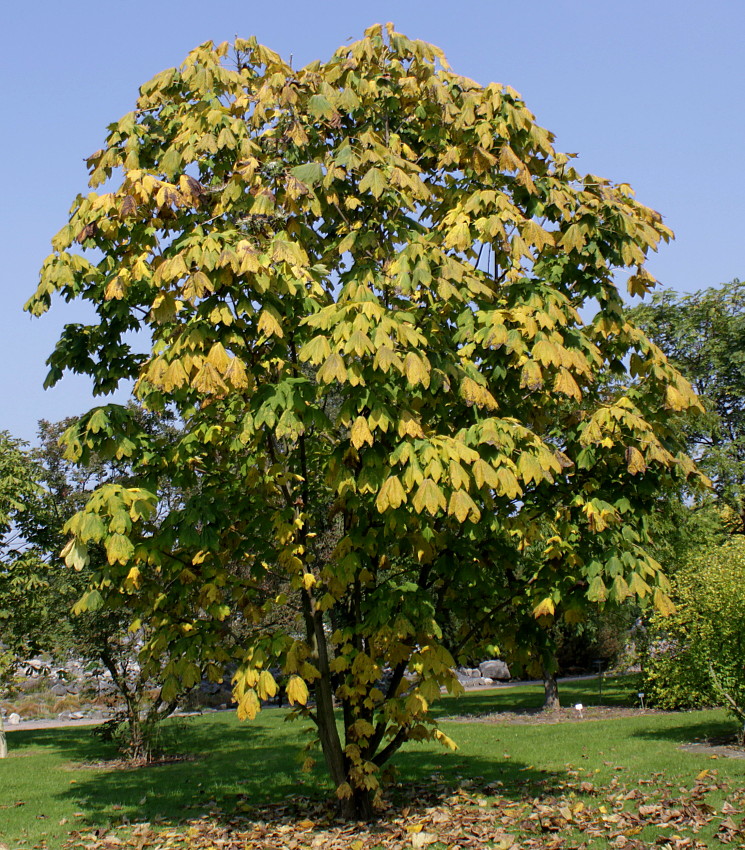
51 723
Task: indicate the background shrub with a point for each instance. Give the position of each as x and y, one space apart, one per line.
697 655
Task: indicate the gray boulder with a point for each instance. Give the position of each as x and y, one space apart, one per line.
495 669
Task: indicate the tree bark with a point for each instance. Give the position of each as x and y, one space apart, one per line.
551 701
3 742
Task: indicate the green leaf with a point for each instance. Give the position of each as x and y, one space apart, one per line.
119 549
374 181
310 174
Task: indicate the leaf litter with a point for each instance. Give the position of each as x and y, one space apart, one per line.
576 814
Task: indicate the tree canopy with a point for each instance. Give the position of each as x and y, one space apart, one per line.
703 334
358 285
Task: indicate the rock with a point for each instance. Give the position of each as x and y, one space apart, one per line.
495 669
474 672
14 719
59 690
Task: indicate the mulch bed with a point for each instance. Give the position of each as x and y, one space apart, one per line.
537 716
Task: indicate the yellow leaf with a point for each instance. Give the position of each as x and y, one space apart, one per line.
566 385
409 425
316 350
267 687
663 603
269 323
508 159
507 483
344 791
573 238
547 353
333 369
474 393
391 494
360 433
429 497
445 740
544 608
308 580
635 460
132 581
174 376
208 381
530 468
414 827
249 705
461 505
675 399
218 357
416 370
306 824
289 252
297 691
115 290
235 374
459 236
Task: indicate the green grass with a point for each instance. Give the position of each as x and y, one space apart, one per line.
46 789
612 691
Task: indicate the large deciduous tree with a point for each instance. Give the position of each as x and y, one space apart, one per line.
357 284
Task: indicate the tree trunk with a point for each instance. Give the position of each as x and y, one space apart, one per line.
3 742
357 807
551 700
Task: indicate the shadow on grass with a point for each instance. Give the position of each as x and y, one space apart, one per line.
715 730
248 770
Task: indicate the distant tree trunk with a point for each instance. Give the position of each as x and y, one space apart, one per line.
551 700
3 743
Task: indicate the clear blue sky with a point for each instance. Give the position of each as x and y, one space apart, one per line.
646 91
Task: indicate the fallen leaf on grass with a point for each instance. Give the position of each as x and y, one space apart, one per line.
422 839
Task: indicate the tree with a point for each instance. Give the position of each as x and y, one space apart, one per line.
703 334
357 285
93 632
696 655
39 492
26 619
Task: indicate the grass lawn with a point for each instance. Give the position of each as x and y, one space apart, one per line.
53 782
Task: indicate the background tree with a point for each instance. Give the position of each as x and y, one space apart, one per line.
359 282
40 492
94 631
28 622
703 334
